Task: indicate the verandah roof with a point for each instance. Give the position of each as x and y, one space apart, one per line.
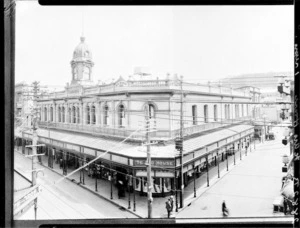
133 150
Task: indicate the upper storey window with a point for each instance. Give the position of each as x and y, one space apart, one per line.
206 113
106 115
88 114
151 111
194 114
45 114
121 115
215 113
93 114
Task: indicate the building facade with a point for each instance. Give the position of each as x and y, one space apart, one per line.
107 121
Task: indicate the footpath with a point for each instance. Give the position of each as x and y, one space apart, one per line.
137 204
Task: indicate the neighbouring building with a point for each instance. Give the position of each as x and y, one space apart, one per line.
88 120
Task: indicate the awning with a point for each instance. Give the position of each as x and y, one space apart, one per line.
134 150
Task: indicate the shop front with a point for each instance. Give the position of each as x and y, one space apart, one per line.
162 176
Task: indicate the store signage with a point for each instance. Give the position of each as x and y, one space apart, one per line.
162 163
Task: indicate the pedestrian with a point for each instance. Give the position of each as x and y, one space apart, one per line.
60 163
168 207
172 202
285 206
224 209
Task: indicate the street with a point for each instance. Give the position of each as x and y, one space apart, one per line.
249 189
65 200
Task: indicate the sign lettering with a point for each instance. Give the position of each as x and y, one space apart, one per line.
162 163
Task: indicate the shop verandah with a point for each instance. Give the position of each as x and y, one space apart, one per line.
127 164
105 178
137 203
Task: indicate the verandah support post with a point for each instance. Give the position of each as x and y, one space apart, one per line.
194 179
128 187
207 169
134 186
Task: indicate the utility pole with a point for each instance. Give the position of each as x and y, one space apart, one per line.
148 163
34 133
35 140
181 148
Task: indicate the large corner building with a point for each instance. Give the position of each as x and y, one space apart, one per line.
89 120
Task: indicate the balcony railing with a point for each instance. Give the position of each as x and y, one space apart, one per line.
144 85
138 135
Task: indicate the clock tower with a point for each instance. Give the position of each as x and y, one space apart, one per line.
82 65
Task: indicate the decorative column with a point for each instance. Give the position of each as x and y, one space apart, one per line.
54 112
217 158
194 179
90 112
66 113
49 113
113 113
134 186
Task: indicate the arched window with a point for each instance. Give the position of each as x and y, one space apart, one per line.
88 114
51 114
45 114
105 115
78 115
205 113
59 114
73 114
70 115
93 115
63 114
194 114
215 113
121 115
151 111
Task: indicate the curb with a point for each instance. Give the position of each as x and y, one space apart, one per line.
86 188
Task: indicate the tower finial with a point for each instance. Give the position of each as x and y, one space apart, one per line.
82 23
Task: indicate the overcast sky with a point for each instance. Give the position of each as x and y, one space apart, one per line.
199 42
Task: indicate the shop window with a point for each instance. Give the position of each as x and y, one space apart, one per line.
194 114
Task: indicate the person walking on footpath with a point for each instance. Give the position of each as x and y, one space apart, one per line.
60 163
172 202
224 209
168 207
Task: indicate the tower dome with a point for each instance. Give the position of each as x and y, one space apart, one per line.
82 64
82 51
